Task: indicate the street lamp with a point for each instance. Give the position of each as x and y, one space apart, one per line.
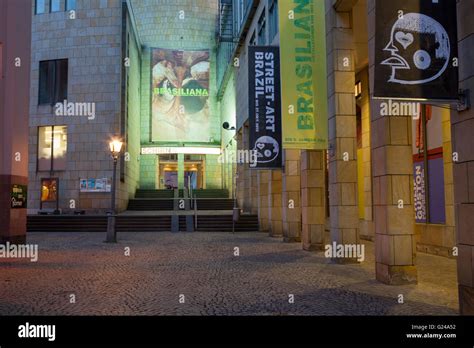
115 146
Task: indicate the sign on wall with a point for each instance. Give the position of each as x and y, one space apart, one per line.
264 106
416 49
19 196
303 74
180 96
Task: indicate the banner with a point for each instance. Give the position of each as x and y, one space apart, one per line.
416 49
180 96
429 197
303 74
265 107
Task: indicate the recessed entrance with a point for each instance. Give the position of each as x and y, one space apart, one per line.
189 175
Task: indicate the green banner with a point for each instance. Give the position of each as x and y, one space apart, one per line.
303 74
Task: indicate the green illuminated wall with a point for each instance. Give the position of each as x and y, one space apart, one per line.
195 30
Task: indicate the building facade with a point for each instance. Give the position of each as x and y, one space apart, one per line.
15 38
365 185
92 71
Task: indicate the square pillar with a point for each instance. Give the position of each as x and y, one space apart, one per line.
313 206
291 197
274 204
343 203
263 178
392 177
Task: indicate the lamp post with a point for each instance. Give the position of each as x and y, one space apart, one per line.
115 146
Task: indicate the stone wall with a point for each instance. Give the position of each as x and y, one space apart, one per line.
92 44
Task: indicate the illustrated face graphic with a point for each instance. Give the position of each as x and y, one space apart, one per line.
188 70
420 50
267 149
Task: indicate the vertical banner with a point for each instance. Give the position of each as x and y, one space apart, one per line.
265 107
416 49
304 74
429 196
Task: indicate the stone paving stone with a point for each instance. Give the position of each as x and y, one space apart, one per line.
215 282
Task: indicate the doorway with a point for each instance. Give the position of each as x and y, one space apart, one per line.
172 176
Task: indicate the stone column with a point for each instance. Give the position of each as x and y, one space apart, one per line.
313 207
291 197
239 170
395 244
253 192
246 173
344 215
274 204
263 209
463 143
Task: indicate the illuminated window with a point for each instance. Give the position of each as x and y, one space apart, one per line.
52 148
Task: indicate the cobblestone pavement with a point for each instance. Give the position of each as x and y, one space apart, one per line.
203 268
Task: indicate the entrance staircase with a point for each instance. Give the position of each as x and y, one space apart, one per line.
157 211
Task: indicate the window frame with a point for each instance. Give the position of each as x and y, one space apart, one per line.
51 166
67 7
52 82
36 7
59 2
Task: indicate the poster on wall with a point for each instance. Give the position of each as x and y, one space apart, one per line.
416 50
180 96
49 190
303 75
264 107
95 185
428 183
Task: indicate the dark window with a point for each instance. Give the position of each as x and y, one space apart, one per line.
40 6
53 81
253 40
55 5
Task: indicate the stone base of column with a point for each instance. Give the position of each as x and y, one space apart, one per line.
466 300
276 229
291 232
396 275
264 225
313 237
